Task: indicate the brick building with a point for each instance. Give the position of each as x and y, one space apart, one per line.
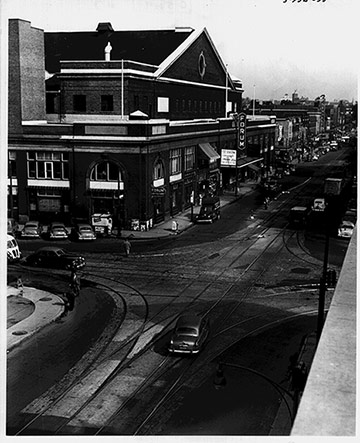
127 122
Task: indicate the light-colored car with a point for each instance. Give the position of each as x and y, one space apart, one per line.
346 229
319 205
83 232
57 231
189 335
31 229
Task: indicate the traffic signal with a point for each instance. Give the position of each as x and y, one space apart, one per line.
331 278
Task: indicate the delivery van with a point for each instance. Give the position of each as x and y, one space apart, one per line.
13 250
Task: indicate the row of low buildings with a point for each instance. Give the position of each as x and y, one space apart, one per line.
138 124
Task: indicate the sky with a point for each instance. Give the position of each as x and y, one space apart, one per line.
274 46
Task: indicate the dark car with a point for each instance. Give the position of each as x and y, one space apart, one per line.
31 229
189 335
83 232
57 231
209 211
53 257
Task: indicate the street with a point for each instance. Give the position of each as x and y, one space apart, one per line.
256 279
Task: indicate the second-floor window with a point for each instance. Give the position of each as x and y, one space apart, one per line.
107 103
175 161
189 159
79 103
48 165
158 170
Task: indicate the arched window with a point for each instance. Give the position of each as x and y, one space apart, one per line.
158 170
106 172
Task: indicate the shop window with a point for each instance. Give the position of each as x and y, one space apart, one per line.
79 103
48 165
107 103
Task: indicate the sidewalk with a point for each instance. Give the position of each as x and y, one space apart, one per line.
183 219
29 310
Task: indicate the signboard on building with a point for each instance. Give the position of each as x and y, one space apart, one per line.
228 157
242 131
158 192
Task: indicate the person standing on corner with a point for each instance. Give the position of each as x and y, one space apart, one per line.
127 247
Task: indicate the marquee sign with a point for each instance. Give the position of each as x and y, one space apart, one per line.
242 131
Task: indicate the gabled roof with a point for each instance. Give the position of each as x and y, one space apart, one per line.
151 47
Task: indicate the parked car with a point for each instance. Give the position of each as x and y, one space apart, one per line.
346 229
31 229
54 257
189 335
12 226
57 231
83 232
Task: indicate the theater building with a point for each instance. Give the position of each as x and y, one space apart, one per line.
131 123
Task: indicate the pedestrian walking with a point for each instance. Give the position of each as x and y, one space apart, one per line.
19 285
127 247
75 282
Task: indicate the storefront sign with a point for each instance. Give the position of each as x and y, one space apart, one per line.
158 192
228 157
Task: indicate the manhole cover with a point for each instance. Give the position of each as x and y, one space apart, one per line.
45 299
300 270
19 333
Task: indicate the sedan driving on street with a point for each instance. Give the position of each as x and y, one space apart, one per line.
53 257
31 229
189 335
57 231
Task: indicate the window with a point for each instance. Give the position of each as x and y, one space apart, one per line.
79 103
12 164
48 165
107 103
163 104
105 171
189 158
175 161
158 170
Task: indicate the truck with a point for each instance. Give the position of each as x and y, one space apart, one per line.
102 223
333 186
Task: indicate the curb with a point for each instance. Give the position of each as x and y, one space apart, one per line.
48 308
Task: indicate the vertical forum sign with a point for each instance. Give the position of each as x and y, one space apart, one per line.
242 131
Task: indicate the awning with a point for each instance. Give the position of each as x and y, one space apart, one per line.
254 168
247 161
209 151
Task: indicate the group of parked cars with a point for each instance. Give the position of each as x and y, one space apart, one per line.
57 231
